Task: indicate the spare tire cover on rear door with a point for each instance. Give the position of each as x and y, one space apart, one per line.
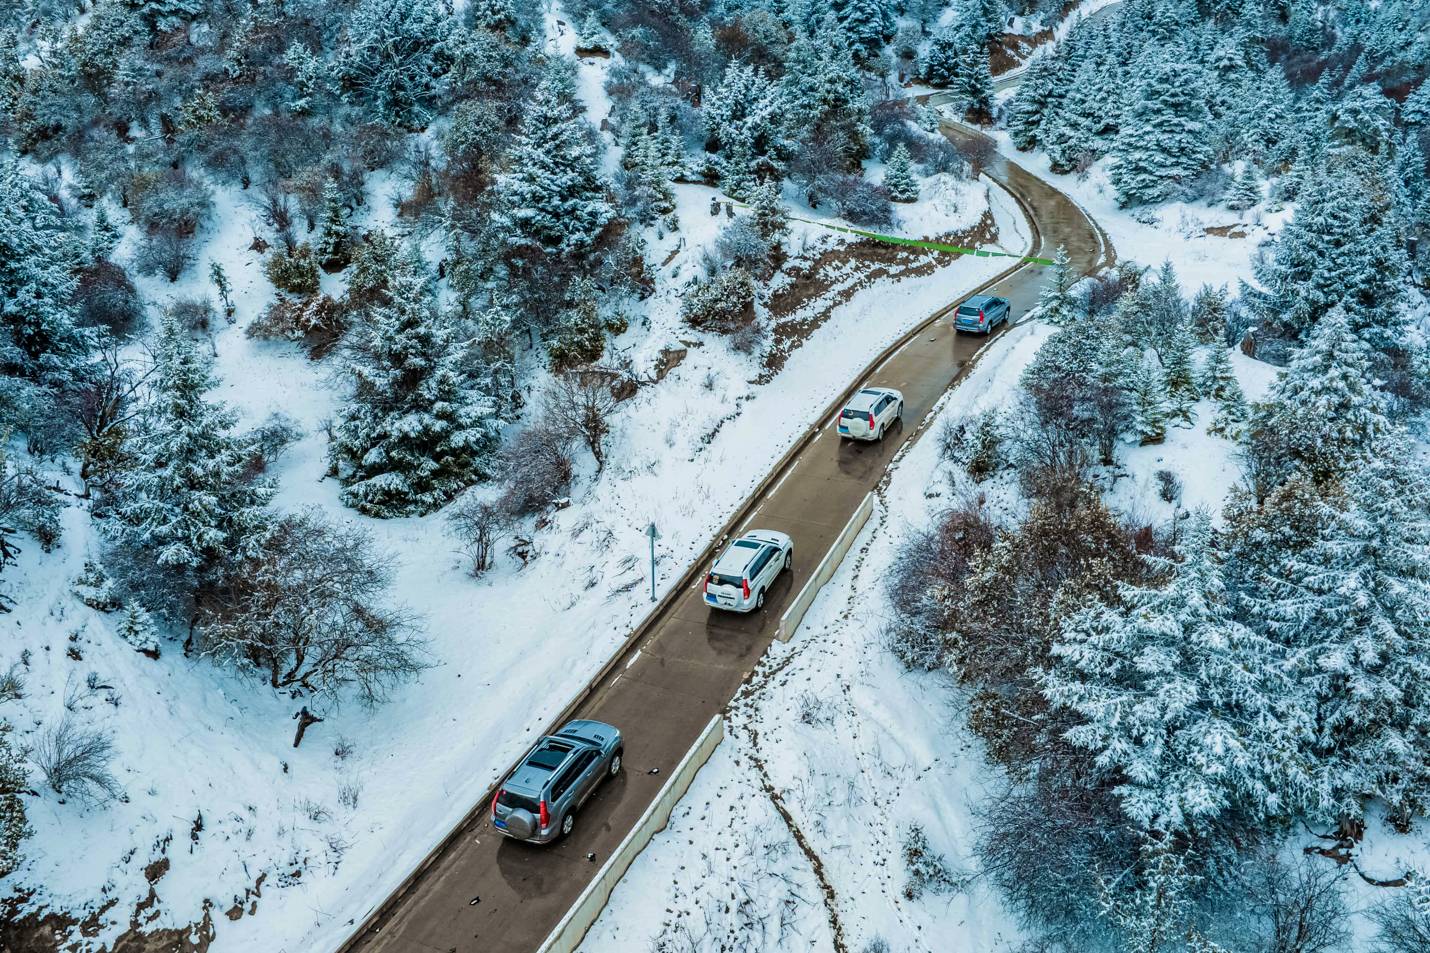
520 823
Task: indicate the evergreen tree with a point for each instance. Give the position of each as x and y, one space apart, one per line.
553 195
1056 300
1178 700
768 211
186 503
104 235
822 97
1338 249
944 60
1353 611
591 36
137 629
335 233
580 335
650 173
221 284
1209 314
14 827
745 108
164 16
1176 354
1165 138
1219 383
975 83
39 339
737 167
411 437
1032 103
1246 190
1364 118
868 24
396 56
1150 403
899 176
497 16
1415 111
1324 412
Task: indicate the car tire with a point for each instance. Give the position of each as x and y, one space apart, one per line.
568 823
759 600
615 766
789 560
899 416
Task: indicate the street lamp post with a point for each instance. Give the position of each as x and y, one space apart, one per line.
654 535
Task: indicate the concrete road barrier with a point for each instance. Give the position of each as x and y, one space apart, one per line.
572 929
801 603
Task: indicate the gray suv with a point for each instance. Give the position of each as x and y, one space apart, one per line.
538 801
981 314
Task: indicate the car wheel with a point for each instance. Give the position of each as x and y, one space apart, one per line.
900 415
567 823
615 767
789 560
760 599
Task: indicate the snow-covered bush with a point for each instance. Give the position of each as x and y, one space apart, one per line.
293 270
14 827
95 589
396 56
536 467
928 870
306 611
723 303
137 628
75 759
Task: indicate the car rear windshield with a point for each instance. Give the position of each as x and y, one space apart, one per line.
720 579
518 802
970 310
851 414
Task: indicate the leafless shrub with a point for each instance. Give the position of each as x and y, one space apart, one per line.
75 761
348 794
537 468
306 612
580 405
195 315
1302 906
344 749
1404 921
478 526
1169 486
164 253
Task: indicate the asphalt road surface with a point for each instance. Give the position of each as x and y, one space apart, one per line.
692 659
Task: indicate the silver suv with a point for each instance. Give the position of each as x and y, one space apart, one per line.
538 801
746 570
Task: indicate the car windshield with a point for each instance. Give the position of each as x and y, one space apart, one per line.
549 757
518 802
721 579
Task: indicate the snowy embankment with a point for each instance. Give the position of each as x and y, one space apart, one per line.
218 804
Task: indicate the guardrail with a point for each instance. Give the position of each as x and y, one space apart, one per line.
569 933
822 574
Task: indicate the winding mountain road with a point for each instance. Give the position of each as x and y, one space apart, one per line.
685 663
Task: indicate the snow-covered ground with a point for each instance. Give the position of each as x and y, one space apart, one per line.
211 780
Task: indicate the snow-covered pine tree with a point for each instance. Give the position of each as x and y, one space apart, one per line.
14 827
104 234
164 16
335 233
899 176
40 341
868 24
1209 314
1056 300
1151 405
1177 364
497 16
943 61
1246 190
654 179
412 436
736 164
579 336
1177 698
592 36
1164 142
1352 610
137 629
395 57
975 83
1415 111
745 107
186 502
1219 383
767 208
553 195
1325 409
1033 102
1364 117
1338 249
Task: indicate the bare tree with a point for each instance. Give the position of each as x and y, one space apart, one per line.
580 404
75 761
1404 921
478 525
103 403
306 612
1302 906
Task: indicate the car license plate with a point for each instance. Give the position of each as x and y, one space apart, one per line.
501 824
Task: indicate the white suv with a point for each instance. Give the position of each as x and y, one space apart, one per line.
746 570
870 412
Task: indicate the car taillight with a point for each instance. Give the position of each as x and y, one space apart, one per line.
545 815
871 420
707 584
745 587
494 802
980 317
